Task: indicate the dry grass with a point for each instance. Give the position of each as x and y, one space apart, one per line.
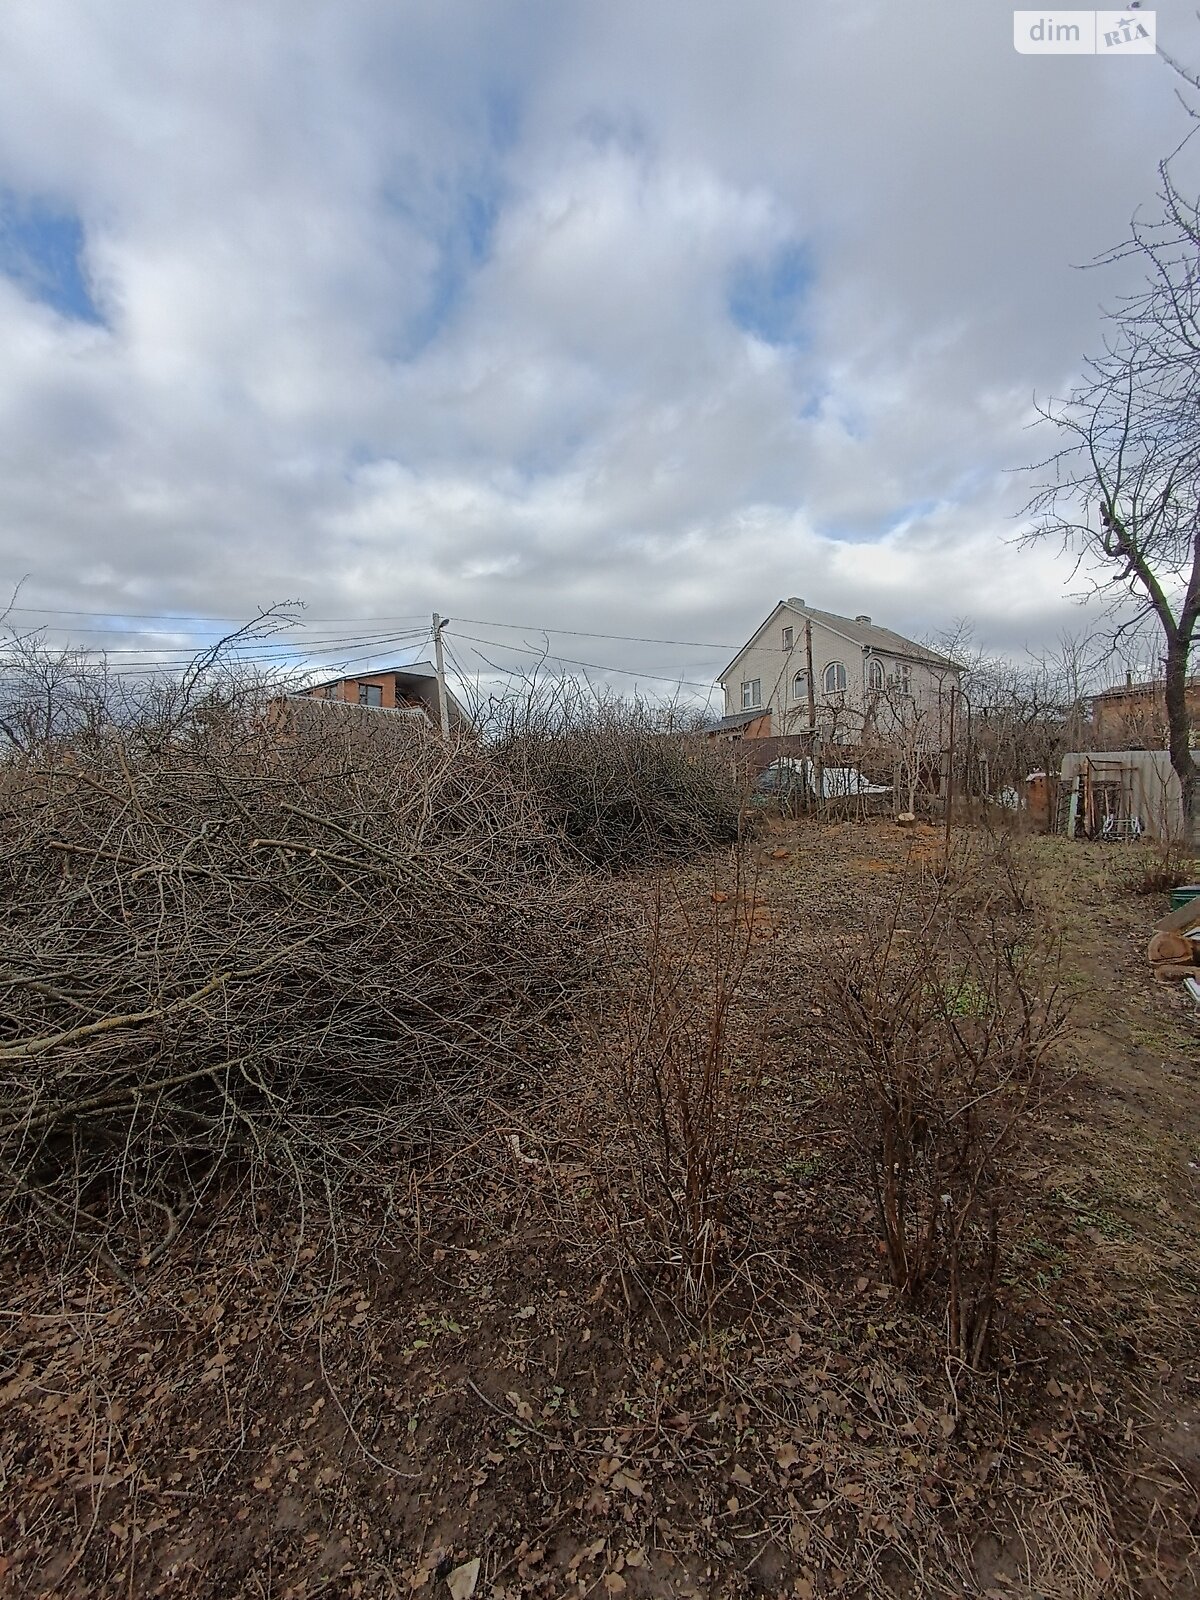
1159 868
629 1328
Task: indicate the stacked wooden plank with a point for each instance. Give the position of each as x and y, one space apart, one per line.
1174 950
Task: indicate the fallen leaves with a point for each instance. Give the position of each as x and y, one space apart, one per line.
463 1580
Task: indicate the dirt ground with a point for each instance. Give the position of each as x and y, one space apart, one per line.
472 1376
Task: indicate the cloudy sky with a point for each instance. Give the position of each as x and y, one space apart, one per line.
598 316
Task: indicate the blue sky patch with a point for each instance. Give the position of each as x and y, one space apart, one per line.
462 248
502 109
42 250
766 298
915 511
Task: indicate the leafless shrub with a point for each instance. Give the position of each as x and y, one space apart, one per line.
238 935
688 1059
627 785
1160 867
939 1033
51 696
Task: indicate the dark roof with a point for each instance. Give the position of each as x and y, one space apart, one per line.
410 669
1146 686
740 719
867 635
872 637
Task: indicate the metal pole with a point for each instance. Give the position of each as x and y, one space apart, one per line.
443 703
812 689
950 771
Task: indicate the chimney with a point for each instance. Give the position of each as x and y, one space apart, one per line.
1128 679
793 601
864 618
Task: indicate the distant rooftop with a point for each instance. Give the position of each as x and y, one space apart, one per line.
410 669
1121 691
739 719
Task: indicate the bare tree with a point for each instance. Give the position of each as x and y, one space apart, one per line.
1025 714
1123 491
900 730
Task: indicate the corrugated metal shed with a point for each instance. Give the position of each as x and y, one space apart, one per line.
1145 778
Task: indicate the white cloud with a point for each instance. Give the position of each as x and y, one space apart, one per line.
410 307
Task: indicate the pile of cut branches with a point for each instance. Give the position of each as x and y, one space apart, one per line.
303 942
627 785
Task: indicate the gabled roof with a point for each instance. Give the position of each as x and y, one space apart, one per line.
872 637
867 635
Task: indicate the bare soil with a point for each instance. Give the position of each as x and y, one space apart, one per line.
471 1374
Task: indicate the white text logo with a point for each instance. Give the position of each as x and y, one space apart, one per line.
1084 33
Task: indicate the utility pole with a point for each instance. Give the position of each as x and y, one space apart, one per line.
440 662
950 770
812 688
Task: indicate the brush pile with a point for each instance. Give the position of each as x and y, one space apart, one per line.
626 787
303 942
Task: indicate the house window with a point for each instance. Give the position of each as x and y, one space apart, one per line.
906 680
787 638
835 678
370 694
751 694
800 686
875 677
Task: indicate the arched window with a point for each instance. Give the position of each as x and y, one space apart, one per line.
875 678
835 678
800 686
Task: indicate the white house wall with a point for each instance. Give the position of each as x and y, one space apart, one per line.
764 658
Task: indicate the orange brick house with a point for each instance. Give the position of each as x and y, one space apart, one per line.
411 689
1133 716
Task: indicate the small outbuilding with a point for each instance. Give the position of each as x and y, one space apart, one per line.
1121 794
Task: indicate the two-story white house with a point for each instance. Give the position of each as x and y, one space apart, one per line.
804 669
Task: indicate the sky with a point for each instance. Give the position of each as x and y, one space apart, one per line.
575 320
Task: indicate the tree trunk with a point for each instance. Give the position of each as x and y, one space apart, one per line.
1178 741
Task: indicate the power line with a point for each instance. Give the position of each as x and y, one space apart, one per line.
576 633
265 646
192 616
478 622
327 668
459 670
594 666
279 648
373 655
